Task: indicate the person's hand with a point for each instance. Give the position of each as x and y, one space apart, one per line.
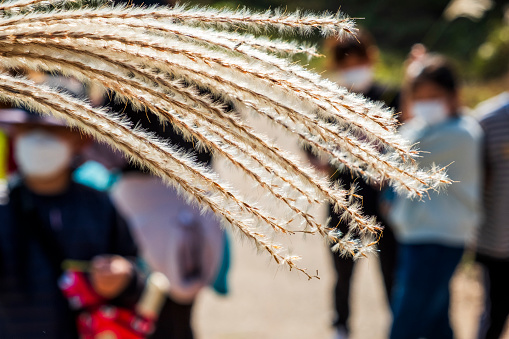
110 275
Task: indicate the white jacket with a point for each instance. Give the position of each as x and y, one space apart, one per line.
451 216
174 237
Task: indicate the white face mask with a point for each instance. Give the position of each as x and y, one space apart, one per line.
41 154
431 112
357 79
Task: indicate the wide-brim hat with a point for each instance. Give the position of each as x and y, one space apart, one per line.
17 116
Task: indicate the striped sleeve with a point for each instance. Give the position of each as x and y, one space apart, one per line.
493 234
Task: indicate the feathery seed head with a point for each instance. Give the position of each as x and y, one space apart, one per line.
162 60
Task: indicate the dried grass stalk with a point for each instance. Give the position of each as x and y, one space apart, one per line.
155 58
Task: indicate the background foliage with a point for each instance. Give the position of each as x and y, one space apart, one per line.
481 46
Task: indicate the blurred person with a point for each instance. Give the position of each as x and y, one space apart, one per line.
48 220
352 66
176 240
189 247
432 234
492 245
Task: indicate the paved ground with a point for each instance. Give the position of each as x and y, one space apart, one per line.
272 304
266 303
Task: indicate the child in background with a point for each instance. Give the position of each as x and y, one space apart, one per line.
48 220
175 238
432 234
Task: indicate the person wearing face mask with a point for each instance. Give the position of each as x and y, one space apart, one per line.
352 66
432 232
49 220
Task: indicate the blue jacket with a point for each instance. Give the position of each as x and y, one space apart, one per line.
449 217
84 224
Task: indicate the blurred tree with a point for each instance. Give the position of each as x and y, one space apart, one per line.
397 25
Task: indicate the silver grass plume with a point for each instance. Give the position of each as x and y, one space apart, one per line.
156 59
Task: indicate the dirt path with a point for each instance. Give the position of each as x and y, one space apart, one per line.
265 303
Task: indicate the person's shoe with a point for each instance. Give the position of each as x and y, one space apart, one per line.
341 333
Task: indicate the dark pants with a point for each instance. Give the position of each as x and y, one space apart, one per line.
496 291
420 303
344 270
174 322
